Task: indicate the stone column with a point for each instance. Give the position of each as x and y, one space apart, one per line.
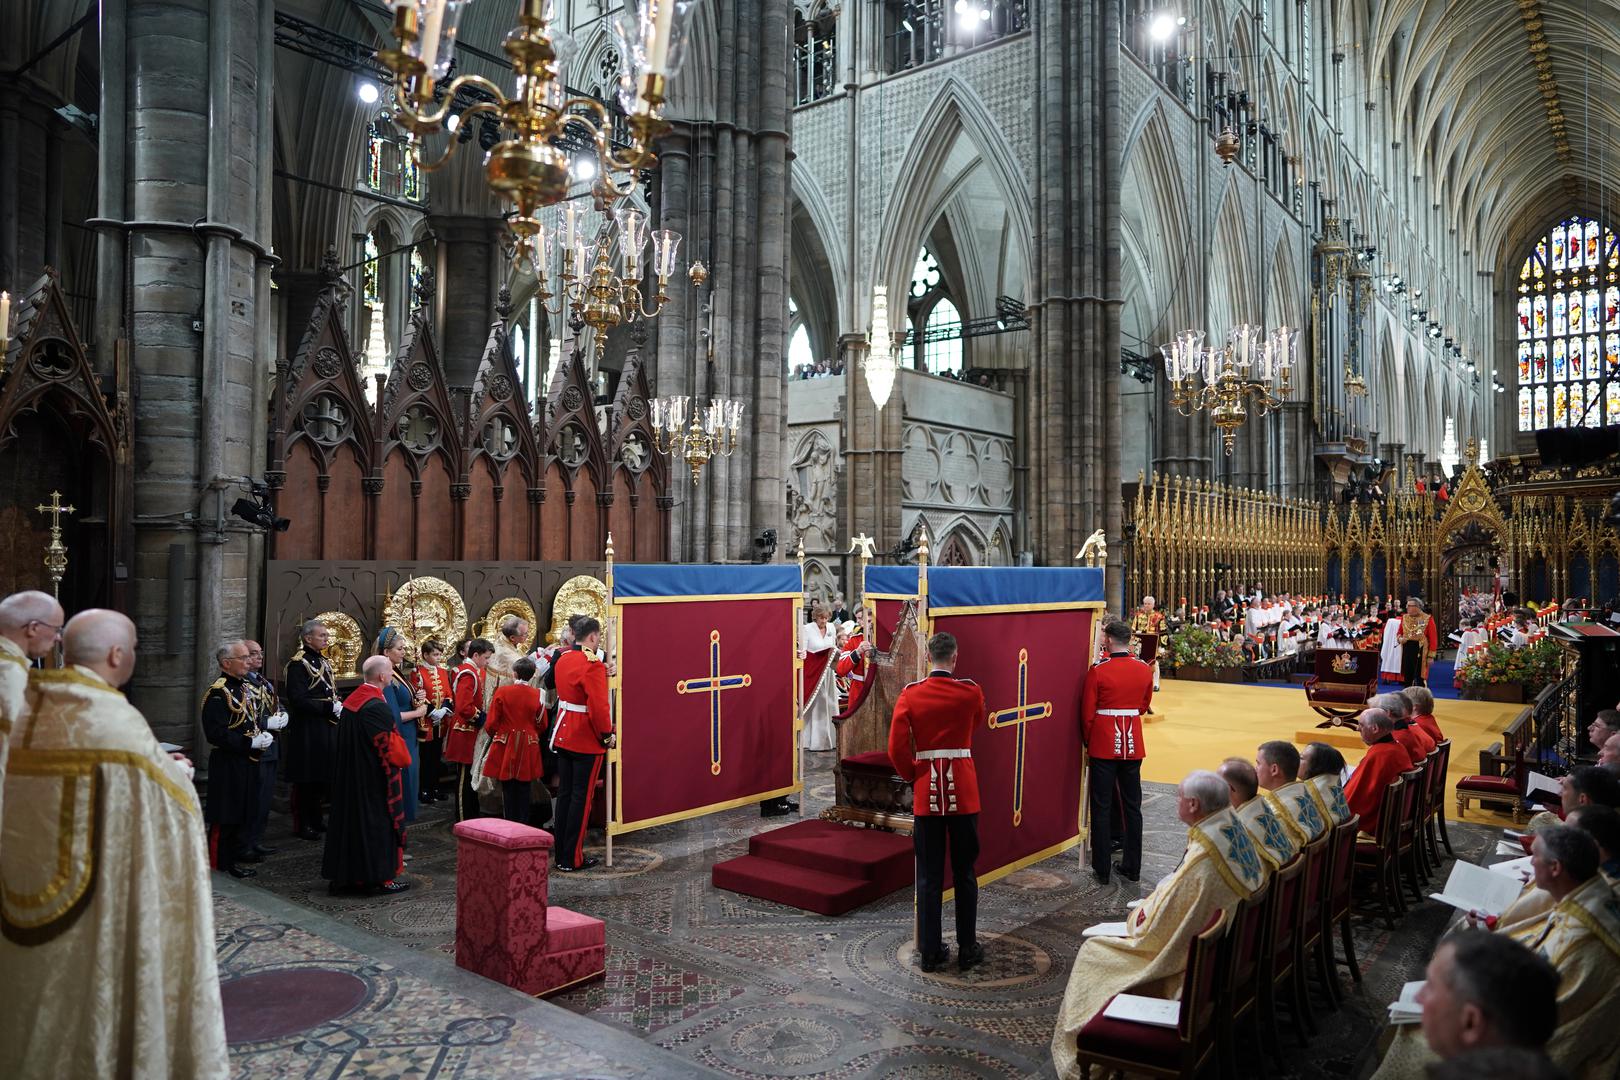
185 86
1074 385
465 245
725 189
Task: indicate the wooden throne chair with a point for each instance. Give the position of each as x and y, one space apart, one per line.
868 791
1345 680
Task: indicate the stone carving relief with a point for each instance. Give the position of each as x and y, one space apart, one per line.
813 492
956 468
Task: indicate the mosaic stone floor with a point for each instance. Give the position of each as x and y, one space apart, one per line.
748 988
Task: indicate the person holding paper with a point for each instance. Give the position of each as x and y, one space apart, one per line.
1276 765
1382 765
931 745
1480 990
116 974
1271 838
1220 867
1320 767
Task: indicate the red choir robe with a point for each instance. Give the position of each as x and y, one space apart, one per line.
1385 761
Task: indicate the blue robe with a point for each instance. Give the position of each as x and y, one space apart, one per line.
401 701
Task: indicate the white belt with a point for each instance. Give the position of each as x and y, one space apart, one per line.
942 755
569 706
1119 712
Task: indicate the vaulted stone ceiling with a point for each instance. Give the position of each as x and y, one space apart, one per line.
1513 105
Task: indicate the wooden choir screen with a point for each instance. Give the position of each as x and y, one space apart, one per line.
436 472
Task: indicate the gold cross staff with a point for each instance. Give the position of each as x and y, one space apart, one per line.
56 552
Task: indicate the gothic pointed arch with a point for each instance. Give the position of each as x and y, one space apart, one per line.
639 474
501 450
1154 225
816 287
576 466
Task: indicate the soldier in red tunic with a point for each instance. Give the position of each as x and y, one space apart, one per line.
1115 695
514 736
930 744
581 739
466 717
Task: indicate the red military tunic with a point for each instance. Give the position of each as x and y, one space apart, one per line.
583 716
467 688
932 732
1415 741
1116 694
514 735
851 663
1385 761
433 683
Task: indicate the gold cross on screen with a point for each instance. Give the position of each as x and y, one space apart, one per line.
1018 717
713 684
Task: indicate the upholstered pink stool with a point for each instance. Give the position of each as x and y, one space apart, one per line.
504 928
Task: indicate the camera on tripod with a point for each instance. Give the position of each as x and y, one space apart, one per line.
765 546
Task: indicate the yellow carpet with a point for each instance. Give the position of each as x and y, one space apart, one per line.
1206 722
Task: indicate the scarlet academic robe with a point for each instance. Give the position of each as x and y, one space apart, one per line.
461 737
932 733
1415 741
582 682
1385 761
1430 727
365 838
1116 694
514 734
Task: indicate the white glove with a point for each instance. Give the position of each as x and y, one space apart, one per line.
439 714
262 740
337 708
276 722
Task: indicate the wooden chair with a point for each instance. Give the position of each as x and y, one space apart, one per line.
1434 825
1340 895
1427 865
1345 680
867 790
1408 847
1121 1046
1283 933
1501 775
1314 948
1378 859
1244 965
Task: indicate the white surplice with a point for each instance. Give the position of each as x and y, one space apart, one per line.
822 700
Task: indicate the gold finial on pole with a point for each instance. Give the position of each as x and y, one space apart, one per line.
610 562
56 552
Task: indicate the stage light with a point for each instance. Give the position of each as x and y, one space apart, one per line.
584 170
1162 25
369 94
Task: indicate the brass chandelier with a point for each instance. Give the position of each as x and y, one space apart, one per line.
527 167
694 434
1253 365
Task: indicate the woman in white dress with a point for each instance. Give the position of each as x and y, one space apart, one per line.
818 642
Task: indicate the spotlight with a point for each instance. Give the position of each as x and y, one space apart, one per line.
1162 25
257 512
369 94
452 122
584 170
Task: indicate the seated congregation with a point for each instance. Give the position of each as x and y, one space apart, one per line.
1281 856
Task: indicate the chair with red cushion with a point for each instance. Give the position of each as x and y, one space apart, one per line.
1282 940
1123 1046
1314 947
1341 895
1345 680
1504 787
1378 860
1244 965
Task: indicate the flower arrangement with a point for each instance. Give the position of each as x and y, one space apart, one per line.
1194 646
1533 667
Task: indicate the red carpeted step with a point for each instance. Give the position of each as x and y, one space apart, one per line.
883 858
796 886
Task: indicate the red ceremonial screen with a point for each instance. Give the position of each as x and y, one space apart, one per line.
705 703
1056 647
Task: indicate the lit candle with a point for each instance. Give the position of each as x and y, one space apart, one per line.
663 14
429 40
5 316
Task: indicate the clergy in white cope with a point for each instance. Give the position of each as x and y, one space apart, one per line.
1220 868
508 651
30 623
1276 764
106 920
1321 769
1272 839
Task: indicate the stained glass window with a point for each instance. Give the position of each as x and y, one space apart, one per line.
1568 319
371 273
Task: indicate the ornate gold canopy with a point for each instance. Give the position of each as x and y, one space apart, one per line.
347 643
512 605
582 595
427 607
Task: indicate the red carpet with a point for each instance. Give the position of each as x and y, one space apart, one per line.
820 866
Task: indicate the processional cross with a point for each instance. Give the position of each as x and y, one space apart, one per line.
56 552
713 684
1019 716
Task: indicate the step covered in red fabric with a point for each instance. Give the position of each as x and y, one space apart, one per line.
795 886
886 859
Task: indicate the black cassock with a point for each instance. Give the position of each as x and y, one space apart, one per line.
365 835
311 727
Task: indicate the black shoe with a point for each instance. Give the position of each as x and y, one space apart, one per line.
1117 845
308 834
775 809
251 857
1119 868
969 957
241 872
1100 875
934 963
391 887
261 850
